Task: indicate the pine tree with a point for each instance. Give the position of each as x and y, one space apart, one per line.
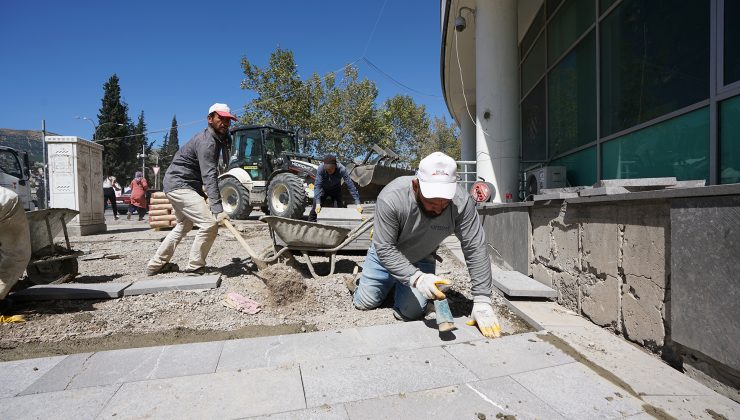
114 123
170 146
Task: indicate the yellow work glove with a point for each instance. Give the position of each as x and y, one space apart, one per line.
484 315
426 284
318 208
359 209
12 319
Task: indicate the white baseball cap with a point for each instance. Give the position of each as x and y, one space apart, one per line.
437 176
222 110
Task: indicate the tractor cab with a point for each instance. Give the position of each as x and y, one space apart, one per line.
259 150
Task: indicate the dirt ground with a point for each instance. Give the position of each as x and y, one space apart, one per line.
291 301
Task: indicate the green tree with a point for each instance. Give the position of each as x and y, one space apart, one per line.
443 138
170 146
407 125
114 123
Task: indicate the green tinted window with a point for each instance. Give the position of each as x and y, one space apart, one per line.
534 65
533 125
537 23
604 4
572 99
729 146
551 6
654 60
570 22
580 167
678 147
732 41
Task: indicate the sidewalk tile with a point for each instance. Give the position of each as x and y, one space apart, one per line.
75 404
414 335
187 359
507 355
59 377
216 395
643 372
356 378
290 349
325 412
696 407
492 398
549 314
18 375
576 392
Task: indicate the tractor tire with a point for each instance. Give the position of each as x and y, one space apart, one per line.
235 198
286 196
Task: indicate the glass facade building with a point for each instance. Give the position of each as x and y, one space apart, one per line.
616 89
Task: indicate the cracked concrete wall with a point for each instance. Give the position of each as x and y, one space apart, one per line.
507 237
607 262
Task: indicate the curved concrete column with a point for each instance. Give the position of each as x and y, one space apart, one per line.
497 95
467 138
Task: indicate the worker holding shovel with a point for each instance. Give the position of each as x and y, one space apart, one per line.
413 215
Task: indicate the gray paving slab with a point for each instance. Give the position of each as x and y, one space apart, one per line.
637 182
591 192
508 355
514 283
491 399
187 359
76 404
174 283
645 373
59 377
325 412
217 395
576 392
338 214
18 375
356 378
290 349
72 291
554 196
549 314
414 335
696 407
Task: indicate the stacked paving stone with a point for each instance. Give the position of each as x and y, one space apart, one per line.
160 212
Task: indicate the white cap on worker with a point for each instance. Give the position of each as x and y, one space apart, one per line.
437 176
222 110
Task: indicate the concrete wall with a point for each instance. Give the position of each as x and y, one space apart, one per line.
661 268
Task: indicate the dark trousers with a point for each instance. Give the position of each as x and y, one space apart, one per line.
110 195
141 210
331 198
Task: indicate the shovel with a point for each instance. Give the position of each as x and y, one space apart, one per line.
261 265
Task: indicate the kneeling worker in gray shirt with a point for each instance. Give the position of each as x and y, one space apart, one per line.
413 215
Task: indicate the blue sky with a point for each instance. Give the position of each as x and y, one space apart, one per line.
177 58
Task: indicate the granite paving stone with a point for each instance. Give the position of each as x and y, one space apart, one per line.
187 359
109 290
507 355
492 398
363 377
628 362
18 375
549 314
59 377
325 412
414 335
590 192
576 392
290 349
75 404
514 283
637 182
174 283
212 396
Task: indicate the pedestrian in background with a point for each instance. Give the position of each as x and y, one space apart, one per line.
139 187
109 194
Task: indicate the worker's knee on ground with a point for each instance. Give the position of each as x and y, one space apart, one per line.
410 310
364 302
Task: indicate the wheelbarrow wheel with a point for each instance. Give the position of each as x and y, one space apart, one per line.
286 196
53 272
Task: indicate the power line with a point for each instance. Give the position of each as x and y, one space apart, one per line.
371 64
370 38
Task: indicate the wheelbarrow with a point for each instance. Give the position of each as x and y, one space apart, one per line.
304 237
51 263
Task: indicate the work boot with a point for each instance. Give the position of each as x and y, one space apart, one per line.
128 216
195 271
166 268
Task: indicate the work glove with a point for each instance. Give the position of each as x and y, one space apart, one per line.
426 284
318 208
220 217
359 209
485 317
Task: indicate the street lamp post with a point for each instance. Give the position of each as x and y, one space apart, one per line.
97 127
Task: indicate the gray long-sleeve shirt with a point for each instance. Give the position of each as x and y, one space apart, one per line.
195 165
324 181
403 235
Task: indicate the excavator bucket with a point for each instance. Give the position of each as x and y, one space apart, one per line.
380 167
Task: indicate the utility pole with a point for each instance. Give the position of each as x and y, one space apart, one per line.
142 155
43 145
